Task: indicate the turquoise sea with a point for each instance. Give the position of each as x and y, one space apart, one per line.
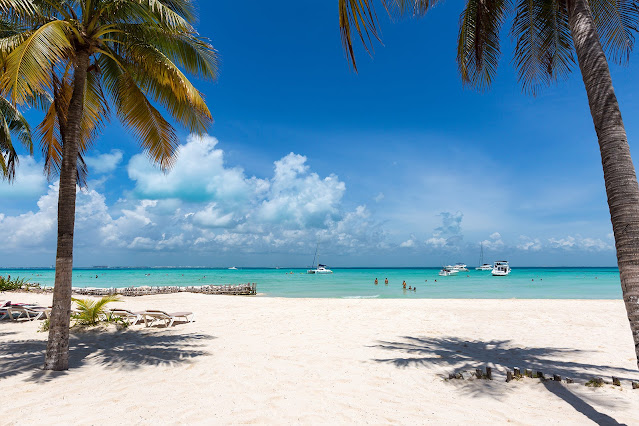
522 283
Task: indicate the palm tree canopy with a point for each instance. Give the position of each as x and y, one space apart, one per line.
137 50
543 47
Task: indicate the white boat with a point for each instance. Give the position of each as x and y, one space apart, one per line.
233 268
483 266
446 271
321 269
461 267
501 268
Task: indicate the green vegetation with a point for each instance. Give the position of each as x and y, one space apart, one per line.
13 284
92 312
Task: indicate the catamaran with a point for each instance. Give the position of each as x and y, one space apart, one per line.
501 268
321 269
483 266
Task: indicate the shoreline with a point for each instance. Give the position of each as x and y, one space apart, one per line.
315 360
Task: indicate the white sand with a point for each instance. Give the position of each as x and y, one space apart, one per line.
274 360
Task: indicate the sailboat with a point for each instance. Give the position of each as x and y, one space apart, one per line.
483 266
320 269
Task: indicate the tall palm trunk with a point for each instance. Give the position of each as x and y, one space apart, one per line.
619 172
57 356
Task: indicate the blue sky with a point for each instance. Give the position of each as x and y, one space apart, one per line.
398 165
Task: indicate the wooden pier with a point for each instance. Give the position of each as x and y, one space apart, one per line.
248 289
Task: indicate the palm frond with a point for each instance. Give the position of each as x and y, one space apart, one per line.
617 21
543 52
25 76
418 8
357 16
12 122
136 112
478 48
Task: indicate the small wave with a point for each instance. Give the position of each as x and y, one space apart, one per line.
361 297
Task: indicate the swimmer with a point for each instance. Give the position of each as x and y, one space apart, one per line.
386 281
425 281
410 287
414 288
435 280
376 281
404 284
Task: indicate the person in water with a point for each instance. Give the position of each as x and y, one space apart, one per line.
386 281
404 284
414 288
375 281
410 287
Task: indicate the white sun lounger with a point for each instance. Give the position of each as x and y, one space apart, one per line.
152 315
31 312
131 317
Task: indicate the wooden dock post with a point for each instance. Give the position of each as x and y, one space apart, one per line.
556 378
616 381
489 373
479 374
635 385
517 372
569 380
509 376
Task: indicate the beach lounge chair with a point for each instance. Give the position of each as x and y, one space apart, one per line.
131 317
153 315
31 312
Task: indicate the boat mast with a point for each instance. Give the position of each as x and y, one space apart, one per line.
481 254
315 257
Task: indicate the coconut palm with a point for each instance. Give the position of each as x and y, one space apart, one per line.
547 32
91 55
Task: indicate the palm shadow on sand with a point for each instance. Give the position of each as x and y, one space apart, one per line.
457 354
129 349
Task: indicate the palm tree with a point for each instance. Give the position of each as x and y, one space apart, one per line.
89 54
11 121
546 32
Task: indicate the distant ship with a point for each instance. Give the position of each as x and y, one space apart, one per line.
233 268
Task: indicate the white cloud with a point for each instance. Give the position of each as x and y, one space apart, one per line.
104 163
494 242
29 182
202 204
529 244
379 197
408 243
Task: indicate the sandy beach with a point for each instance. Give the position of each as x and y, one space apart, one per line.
312 361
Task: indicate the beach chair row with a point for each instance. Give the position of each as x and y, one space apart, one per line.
152 316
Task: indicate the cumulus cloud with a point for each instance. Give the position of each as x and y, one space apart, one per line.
379 197
104 163
580 243
203 204
29 182
529 244
494 242
449 234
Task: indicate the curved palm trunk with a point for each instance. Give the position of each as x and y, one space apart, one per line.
57 356
619 172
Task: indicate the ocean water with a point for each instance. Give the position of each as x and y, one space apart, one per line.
522 283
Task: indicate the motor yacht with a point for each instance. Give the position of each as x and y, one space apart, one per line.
501 268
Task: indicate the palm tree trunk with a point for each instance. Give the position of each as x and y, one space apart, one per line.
57 356
619 172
